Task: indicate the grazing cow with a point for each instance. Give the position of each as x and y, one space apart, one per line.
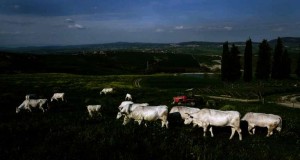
270 121
210 117
148 113
128 97
28 104
106 90
57 96
93 109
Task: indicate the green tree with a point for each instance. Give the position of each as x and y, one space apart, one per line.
235 65
281 61
225 62
248 61
298 67
263 67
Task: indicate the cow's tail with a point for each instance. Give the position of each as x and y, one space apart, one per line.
279 125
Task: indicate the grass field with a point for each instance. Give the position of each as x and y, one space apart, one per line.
66 131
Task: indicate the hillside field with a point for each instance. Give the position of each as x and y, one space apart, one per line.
67 132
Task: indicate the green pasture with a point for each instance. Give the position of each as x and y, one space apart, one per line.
67 132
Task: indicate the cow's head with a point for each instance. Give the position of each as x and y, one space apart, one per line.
119 115
125 106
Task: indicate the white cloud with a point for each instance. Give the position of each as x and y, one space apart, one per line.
69 20
73 24
178 27
76 26
228 28
159 30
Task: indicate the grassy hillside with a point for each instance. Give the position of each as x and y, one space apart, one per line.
66 131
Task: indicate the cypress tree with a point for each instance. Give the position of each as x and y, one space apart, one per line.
235 65
248 61
298 67
225 62
277 64
263 67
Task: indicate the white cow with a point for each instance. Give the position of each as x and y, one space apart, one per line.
106 90
148 113
57 96
28 104
182 110
209 117
128 97
270 121
92 109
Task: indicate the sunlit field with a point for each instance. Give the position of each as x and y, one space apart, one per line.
67 132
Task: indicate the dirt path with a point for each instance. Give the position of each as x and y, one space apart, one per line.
290 104
286 104
234 99
290 101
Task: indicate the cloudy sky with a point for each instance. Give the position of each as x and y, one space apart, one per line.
71 22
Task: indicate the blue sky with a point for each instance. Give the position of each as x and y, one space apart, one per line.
71 22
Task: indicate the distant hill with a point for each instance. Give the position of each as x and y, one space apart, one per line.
289 41
192 47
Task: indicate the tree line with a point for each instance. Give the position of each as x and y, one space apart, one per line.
270 64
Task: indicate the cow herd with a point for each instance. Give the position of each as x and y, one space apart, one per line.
205 118
139 112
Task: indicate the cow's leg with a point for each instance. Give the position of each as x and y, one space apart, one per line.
253 130
140 122
270 131
211 131
41 108
249 130
250 127
90 113
204 131
164 123
126 120
29 109
239 131
232 132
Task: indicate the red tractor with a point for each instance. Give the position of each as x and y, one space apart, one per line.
184 100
